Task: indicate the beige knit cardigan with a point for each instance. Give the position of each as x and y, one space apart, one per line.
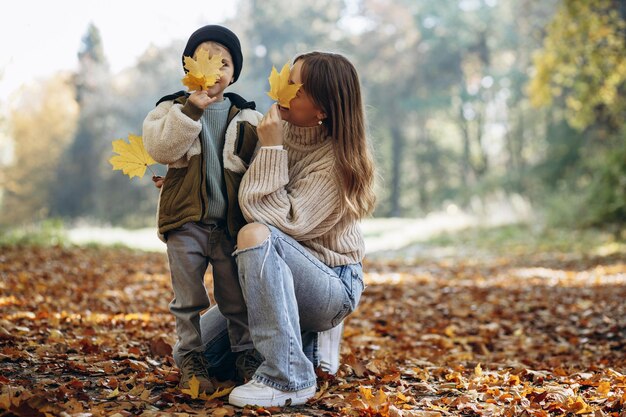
296 190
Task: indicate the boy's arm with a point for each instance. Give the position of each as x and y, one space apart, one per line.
168 132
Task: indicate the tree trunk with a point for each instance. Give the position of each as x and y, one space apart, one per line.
466 163
482 167
422 176
397 147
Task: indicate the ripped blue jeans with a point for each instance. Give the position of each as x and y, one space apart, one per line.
290 296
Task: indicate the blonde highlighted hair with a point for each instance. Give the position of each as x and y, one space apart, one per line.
333 84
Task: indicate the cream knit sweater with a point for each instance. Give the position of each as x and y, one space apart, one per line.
295 189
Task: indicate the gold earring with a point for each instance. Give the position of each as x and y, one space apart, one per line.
319 122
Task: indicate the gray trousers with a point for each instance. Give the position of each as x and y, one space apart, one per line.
190 250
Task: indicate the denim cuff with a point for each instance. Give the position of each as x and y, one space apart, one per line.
280 387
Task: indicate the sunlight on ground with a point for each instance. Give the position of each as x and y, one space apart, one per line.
610 249
396 233
144 239
601 275
380 234
507 276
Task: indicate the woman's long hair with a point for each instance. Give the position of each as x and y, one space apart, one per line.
333 84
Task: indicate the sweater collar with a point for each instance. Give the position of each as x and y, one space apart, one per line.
306 135
219 105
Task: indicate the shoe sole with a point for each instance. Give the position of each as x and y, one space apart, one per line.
282 401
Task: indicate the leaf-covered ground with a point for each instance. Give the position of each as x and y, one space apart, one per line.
86 331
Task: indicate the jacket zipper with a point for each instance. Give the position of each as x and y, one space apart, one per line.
202 178
228 219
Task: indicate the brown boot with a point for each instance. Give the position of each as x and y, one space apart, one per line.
246 364
194 364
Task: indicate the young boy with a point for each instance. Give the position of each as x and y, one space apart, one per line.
207 139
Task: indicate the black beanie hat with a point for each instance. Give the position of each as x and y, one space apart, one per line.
221 35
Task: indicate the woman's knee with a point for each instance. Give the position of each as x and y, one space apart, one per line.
252 234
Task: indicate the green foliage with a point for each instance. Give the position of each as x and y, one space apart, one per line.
455 73
581 74
564 207
606 200
582 64
274 31
91 46
75 195
90 188
583 185
561 161
43 120
445 88
46 233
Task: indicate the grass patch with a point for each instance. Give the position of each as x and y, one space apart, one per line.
46 233
521 239
52 232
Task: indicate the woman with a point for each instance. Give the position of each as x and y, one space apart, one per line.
299 258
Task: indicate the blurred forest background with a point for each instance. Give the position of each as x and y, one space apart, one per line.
467 101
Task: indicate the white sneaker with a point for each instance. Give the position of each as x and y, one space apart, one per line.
259 394
328 346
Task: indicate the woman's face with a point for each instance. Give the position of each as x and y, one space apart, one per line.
302 110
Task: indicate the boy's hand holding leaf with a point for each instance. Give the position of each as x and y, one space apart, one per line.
280 89
202 72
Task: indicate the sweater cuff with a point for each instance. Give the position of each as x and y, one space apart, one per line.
191 110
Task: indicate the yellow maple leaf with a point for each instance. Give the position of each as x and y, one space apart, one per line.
220 392
604 387
378 401
280 89
204 71
194 388
114 393
478 370
578 406
132 157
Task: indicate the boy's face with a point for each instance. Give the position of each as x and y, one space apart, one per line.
228 69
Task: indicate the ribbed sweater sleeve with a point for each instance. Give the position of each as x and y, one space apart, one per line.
301 210
168 133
